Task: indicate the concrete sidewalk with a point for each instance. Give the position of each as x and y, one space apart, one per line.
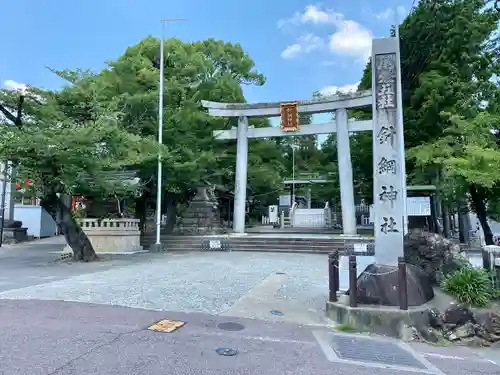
37 262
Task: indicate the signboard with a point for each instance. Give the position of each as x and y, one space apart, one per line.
273 214
215 244
418 206
289 116
285 200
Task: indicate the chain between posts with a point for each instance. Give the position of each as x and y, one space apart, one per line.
334 279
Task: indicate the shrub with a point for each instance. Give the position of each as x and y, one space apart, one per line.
468 285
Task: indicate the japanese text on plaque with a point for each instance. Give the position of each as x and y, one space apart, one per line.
289 116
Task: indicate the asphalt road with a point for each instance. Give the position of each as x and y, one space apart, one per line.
49 337
55 337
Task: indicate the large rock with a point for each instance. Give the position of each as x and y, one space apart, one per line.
433 254
467 330
378 285
458 315
490 320
436 319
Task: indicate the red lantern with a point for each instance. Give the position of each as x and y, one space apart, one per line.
18 186
28 183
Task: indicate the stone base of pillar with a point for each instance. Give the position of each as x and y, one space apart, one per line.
157 248
377 284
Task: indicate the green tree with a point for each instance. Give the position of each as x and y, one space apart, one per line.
62 157
444 72
207 70
469 160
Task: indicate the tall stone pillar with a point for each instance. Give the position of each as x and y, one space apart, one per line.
345 173
240 195
389 192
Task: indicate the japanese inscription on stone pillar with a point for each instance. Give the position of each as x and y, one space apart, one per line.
388 197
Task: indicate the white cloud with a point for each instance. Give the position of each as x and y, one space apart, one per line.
305 44
352 39
348 38
315 15
13 85
311 14
291 51
332 90
389 13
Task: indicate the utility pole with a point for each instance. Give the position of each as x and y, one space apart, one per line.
159 192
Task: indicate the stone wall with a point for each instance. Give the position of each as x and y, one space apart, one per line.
112 235
462 325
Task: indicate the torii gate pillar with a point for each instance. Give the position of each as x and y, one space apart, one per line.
240 195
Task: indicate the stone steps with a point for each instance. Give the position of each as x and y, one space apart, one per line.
259 244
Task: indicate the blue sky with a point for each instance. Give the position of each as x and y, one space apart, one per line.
300 46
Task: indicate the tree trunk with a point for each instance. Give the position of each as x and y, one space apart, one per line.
463 221
171 211
446 222
478 200
73 233
141 210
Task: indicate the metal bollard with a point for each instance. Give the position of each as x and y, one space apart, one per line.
333 275
403 284
353 284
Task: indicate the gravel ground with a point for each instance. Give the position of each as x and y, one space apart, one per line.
202 282
209 282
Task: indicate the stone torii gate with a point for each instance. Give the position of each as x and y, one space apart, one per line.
342 126
388 154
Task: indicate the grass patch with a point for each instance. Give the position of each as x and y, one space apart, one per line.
346 327
471 286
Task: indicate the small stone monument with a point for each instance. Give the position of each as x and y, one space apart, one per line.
202 215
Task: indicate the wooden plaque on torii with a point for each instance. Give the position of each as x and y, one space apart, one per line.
289 116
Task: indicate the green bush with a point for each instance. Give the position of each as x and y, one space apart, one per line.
468 285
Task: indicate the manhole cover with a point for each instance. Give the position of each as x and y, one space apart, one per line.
227 352
277 313
231 326
376 351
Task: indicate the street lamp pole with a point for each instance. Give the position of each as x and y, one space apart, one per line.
293 170
159 191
